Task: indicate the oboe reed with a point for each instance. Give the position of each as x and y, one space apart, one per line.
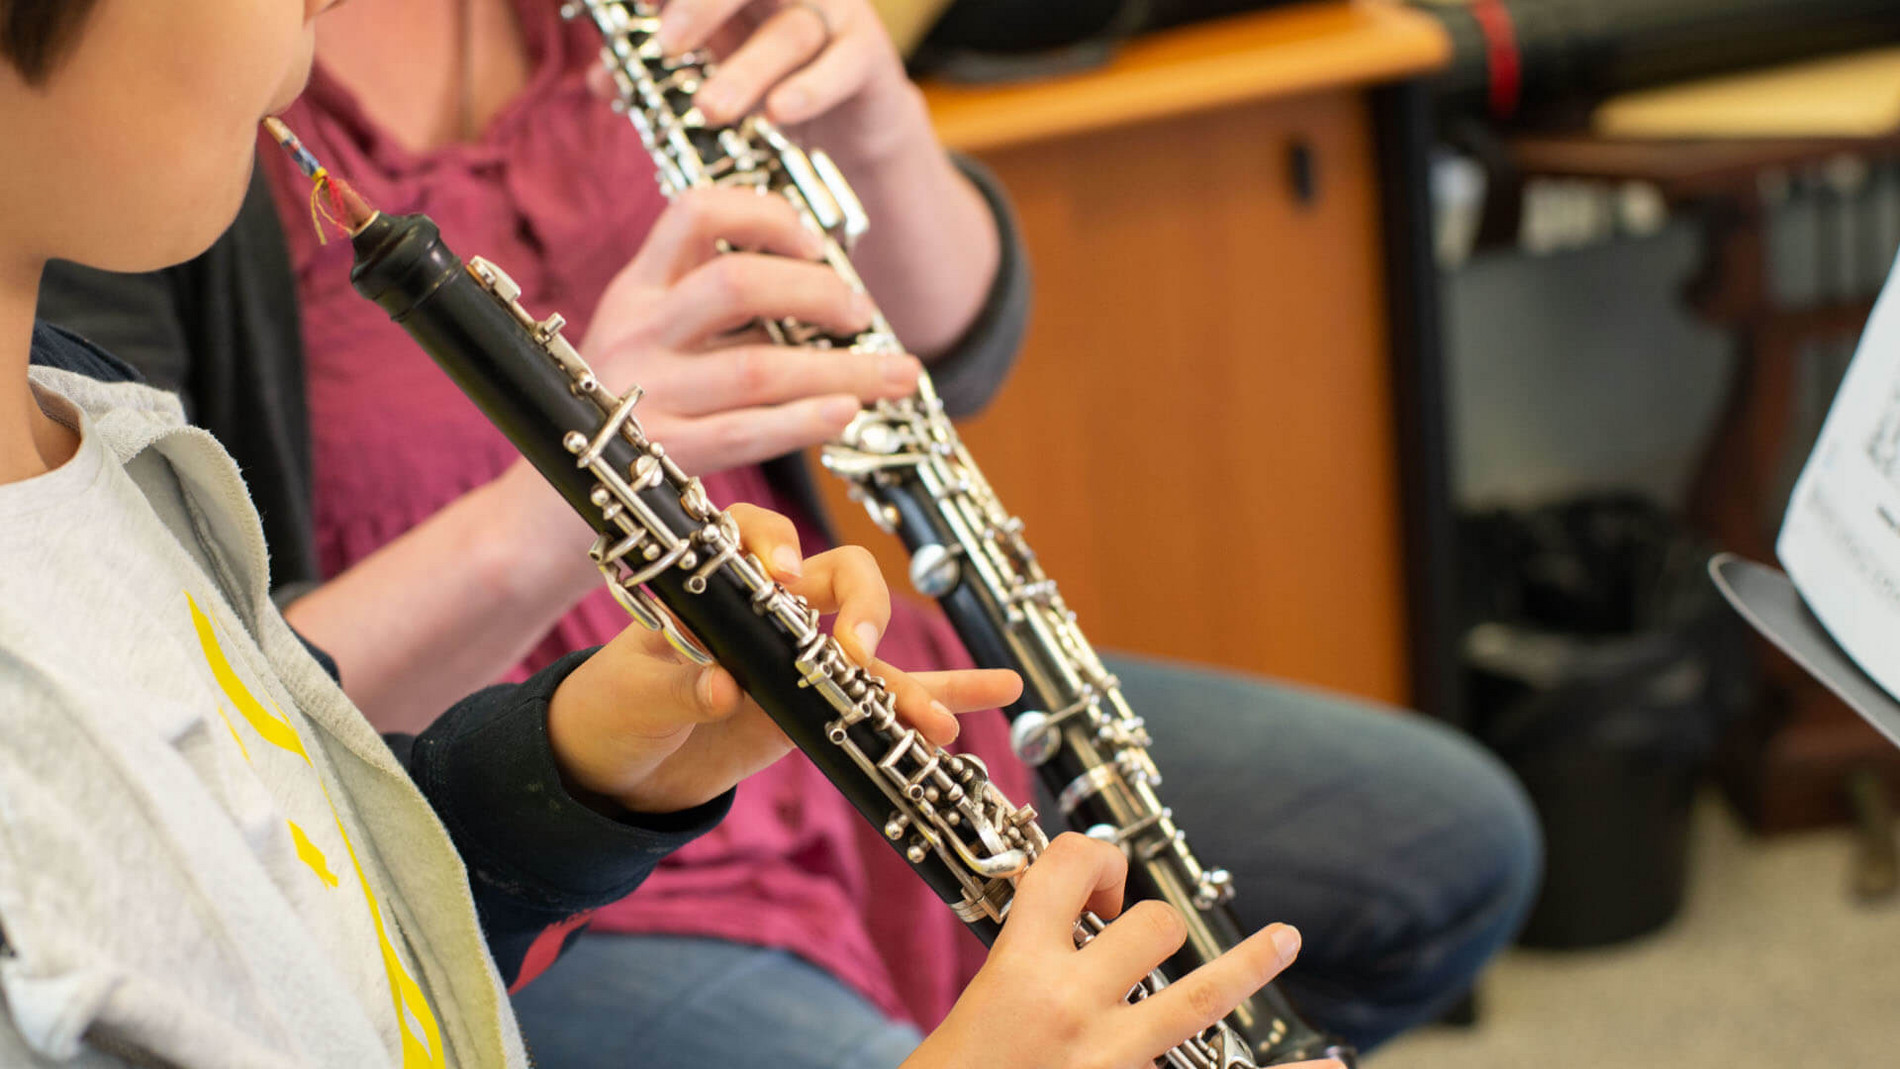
332 200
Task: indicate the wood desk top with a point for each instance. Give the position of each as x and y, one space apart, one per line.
1682 169
1283 51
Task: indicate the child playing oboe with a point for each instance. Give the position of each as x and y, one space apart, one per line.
207 856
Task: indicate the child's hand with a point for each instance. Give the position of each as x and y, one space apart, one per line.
639 725
1041 1003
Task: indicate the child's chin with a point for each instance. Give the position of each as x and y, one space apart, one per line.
208 220
193 229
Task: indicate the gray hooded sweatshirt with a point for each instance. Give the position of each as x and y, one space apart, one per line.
207 856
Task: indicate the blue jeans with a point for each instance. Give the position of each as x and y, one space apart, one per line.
1405 855
666 1002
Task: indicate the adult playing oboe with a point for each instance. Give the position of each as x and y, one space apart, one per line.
1403 856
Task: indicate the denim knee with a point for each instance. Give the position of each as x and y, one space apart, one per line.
1451 902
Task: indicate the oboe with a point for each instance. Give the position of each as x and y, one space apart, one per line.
907 464
668 554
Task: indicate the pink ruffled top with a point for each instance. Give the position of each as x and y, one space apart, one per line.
560 192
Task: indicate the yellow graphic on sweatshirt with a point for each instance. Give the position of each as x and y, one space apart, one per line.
271 727
411 1005
309 854
232 728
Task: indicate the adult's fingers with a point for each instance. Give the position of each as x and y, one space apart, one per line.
836 75
787 40
750 376
1189 1005
716 443
601 83
1073 874
847 581
689 24
737 288
698 223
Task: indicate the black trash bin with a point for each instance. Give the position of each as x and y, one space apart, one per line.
1603 669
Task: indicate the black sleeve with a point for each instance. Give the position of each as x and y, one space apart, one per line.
969 374
134 317
58 348
539 861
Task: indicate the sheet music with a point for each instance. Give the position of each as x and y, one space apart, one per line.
1840 542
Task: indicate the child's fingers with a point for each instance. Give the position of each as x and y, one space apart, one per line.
631 706
916 705
654 691
971 690
1145 935
847 581
1192 1003
1074 873
928 701
773 538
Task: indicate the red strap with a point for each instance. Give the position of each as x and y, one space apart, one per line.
1501 58
545 948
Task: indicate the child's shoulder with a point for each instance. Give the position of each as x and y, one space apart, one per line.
116 397
57 347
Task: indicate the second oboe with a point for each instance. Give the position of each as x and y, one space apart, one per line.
909 467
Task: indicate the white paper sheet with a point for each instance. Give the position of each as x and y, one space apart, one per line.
1766 599
1840 541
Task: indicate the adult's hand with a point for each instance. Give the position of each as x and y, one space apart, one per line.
827 70
826 66
719 396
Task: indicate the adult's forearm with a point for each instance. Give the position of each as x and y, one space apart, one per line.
450 606
932 251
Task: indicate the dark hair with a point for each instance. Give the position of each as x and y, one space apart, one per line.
36 34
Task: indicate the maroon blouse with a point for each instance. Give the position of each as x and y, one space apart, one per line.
560 192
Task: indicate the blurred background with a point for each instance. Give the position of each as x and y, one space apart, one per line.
1425 352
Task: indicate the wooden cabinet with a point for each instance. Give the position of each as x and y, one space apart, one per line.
1200 435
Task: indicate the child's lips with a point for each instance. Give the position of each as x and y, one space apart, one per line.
294 81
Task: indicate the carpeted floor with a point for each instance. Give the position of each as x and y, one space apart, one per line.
1770 965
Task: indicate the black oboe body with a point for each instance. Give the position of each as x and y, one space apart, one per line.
512 371
668 554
